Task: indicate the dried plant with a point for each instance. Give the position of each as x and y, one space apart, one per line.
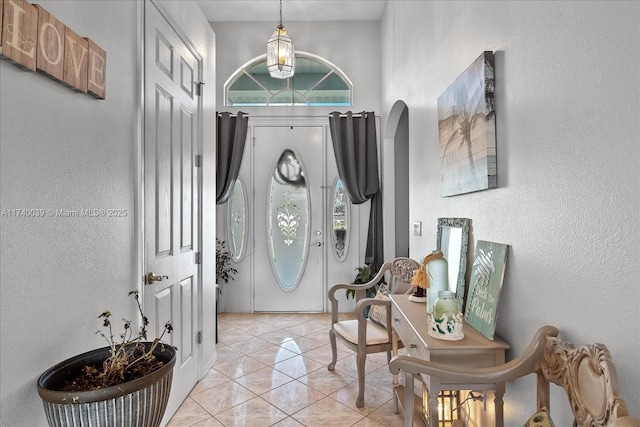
130 358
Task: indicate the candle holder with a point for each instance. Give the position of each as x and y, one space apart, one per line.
445 322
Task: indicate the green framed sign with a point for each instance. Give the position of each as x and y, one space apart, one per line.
487 275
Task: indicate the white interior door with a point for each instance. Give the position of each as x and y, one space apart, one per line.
289 218
171 196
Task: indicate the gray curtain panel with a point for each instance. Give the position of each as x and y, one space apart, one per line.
231 136
356 151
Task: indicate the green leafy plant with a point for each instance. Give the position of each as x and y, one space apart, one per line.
364 275
224 271
130 358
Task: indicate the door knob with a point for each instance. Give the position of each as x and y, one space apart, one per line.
152 278
316 244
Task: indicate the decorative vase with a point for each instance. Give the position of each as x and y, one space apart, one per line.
438 271
141 402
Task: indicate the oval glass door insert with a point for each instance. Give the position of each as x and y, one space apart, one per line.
288 220
340 221
237 217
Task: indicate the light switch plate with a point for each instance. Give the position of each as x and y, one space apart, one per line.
417 228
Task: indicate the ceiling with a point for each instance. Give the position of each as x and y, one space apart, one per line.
292 10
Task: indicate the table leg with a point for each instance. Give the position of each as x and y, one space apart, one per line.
498 404
394 352
408 399
433 407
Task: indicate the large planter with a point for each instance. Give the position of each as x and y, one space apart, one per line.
138 403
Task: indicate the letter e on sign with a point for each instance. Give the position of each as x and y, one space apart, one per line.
76 54
50 54
19 32
96 70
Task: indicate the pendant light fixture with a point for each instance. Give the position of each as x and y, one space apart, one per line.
280 53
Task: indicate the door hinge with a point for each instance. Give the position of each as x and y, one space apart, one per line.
199 88
198 258
199 337
198 160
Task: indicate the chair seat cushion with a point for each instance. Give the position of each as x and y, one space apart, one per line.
626 422
348 329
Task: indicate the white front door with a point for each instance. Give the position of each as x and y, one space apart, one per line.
289 218
171 196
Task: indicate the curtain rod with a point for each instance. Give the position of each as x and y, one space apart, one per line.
352 115
232 115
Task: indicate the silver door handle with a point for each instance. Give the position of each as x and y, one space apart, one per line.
316 244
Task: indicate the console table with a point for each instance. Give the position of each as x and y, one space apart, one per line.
409 322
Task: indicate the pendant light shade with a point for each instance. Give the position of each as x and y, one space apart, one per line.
280 53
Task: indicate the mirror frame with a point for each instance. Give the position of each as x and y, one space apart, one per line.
462 223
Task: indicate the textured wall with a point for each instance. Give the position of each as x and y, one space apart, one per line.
568 202
63 150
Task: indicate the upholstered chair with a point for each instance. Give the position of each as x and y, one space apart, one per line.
370 334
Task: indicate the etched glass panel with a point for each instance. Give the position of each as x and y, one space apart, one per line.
288 218
340 221
237 206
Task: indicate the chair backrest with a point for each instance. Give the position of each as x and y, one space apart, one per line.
589 378
402 270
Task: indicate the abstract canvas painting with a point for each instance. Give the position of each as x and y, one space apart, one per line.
467 130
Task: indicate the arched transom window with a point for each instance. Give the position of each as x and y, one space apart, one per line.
316 82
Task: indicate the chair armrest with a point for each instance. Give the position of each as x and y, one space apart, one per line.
379 275
360 286
526 363
334 301
362 321
356 287
366 302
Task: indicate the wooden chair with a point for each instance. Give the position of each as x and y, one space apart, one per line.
586 373
361 334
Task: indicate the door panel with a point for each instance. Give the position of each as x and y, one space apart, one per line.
186 176
306 145
163 160
171 196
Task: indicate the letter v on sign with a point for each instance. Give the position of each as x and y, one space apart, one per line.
75 61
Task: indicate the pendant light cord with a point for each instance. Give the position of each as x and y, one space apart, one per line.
281 26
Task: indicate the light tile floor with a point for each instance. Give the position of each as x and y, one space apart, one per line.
271 370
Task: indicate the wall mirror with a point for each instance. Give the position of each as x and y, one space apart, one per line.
453 241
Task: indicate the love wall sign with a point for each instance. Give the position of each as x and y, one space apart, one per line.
35 40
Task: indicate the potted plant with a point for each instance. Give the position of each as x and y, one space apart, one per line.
224 271
364 275
126 383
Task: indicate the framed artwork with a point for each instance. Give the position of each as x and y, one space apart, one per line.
467 130
487 274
